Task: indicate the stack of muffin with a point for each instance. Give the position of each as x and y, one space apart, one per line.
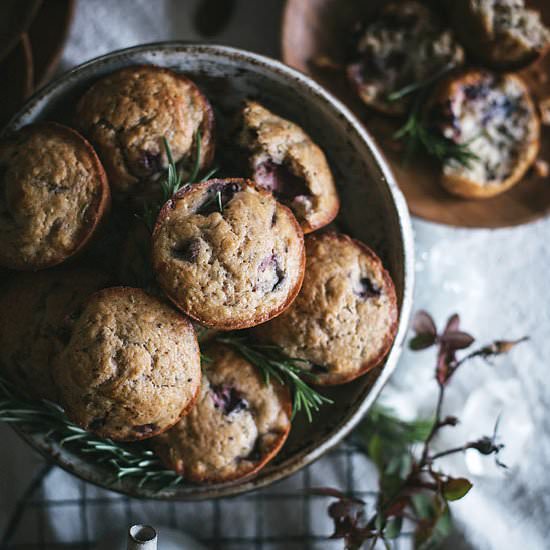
226 254
453 75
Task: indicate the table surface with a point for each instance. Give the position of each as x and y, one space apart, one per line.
496 280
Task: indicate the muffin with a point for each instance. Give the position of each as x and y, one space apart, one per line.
228 254
282 158
130 367
405 45
494 118
127 114
502 34
237 426
345 318
34 308
54 193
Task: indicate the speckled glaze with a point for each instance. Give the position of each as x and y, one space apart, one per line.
373 210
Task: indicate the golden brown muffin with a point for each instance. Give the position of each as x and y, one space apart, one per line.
405 45
131 366
237 426
502 34
127 114
54 193
494 117
283 159
228 254
34 307
344 320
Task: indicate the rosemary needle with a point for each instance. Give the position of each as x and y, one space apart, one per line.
273 363
46 418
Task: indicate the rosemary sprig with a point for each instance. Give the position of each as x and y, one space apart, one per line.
420 85
445 150
46 418
173 181
272 362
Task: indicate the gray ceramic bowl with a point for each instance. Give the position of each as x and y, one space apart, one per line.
373 210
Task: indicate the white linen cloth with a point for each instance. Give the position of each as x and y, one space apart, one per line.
497 280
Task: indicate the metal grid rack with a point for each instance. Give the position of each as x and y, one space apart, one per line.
285 515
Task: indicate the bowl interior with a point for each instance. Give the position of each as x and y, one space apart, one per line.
373 211
324 28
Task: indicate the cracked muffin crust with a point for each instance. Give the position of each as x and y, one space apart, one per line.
130 367
34 307
283 159
228 254
345 318
237 426
494 116
127 114
53 194
406 44
503 34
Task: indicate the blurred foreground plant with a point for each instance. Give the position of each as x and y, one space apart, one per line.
412 490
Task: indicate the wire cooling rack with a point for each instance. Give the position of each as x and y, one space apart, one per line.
59 511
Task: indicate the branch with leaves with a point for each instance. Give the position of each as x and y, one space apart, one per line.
412 490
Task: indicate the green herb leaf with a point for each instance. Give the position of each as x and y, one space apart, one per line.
272 362
456 488
48 419
393 528
173 181
420 85
422 341
418 136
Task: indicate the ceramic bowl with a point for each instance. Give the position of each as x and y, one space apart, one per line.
373 210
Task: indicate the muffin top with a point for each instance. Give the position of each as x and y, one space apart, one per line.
504 34
53 193
131 365
237 425
228 254
283 159
127 114
345 318
494 117
34 309
405 45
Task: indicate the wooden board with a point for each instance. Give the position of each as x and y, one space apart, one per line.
16 75
314 28
15 18
48 34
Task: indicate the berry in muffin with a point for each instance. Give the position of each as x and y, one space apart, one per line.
502 34
345 318
130 367
283 159
228 254
238 424
34 309
494 117
128 113
405 45
54 193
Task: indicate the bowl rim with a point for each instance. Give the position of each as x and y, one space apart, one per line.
348 422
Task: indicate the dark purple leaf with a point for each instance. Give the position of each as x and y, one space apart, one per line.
453 323
423 323
456 339
422 341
